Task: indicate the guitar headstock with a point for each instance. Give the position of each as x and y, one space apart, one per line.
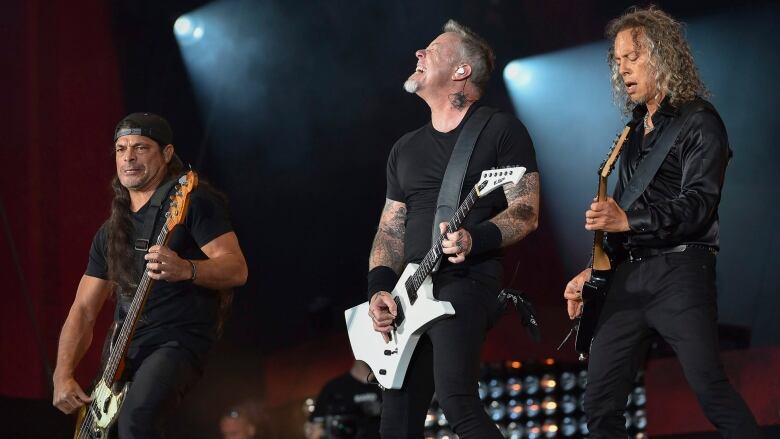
495 178
180 200
609 162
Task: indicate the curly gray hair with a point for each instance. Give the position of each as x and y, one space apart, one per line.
670 57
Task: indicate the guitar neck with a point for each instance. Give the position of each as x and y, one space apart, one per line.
434 254
133 314
599 256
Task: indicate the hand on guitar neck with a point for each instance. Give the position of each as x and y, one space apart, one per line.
573 293
457 244
606 216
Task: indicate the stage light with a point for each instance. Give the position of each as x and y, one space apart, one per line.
445 433
550 428
548 383
308 405
640 420
197 33
568 404
514 431
582 379
549 405
441 419
515 364
183 26
430 418
517 73
568 426
515 409
639 396
583 424
514 386
532 407
533 430
188 29
568 381
531 384
482 390
496 411
495 388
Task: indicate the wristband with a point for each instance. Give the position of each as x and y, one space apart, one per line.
485 237
381 278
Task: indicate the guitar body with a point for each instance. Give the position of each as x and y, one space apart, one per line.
104 411
389 361
413 295
594 291
594 294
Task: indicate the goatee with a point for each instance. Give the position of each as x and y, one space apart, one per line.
411 86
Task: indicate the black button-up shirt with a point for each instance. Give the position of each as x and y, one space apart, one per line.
680 205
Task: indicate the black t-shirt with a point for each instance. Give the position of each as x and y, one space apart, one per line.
354 404
415 170
176 313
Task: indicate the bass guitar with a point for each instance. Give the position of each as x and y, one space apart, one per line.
594 291
417 309
96 419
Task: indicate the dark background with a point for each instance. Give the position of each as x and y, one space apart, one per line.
291 112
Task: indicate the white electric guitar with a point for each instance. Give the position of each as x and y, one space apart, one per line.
413 295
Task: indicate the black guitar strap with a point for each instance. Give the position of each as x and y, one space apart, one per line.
652 162
141 242
144 237
452 183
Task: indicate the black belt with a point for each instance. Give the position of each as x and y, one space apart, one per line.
640 253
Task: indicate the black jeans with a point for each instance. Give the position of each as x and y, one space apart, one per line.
158 384
673 294
446 360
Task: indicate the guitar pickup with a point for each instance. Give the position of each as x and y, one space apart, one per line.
399 310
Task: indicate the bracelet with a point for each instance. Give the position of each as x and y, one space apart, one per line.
194 271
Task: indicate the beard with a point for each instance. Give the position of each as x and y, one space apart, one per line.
411 86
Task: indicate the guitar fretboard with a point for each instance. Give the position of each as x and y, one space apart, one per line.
128 327
414 282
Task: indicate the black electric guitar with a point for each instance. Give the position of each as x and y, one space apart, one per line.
96 418
594 291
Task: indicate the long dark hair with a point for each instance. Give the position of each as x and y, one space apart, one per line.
119 230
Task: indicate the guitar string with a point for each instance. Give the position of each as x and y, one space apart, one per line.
435 252
88 420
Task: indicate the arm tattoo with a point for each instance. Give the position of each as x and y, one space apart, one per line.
522 213
388 247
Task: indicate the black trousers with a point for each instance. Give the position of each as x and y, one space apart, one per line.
159 381
673 294
446 361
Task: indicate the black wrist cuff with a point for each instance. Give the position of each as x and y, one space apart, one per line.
485 237
381 278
